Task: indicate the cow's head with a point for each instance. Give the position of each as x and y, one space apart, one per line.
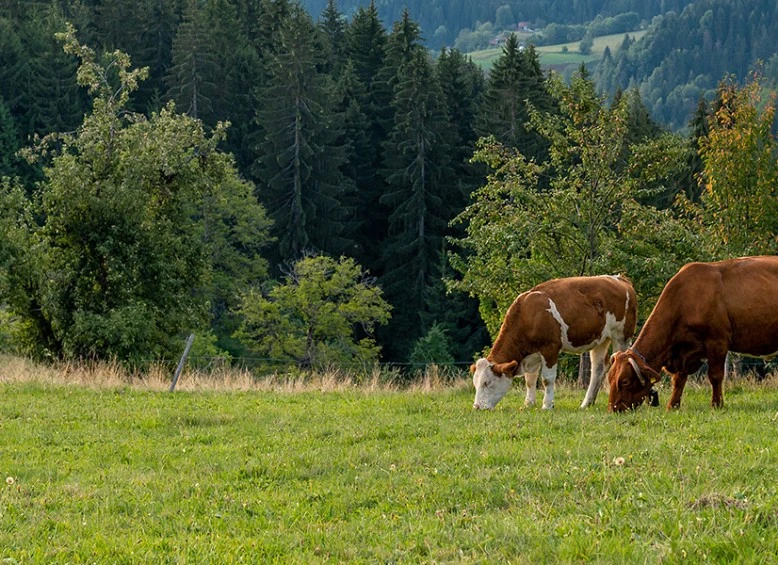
631 382
491 381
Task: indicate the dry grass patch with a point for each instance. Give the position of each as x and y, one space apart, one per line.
108 375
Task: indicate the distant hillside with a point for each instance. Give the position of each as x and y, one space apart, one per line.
684 55
442 20
563 57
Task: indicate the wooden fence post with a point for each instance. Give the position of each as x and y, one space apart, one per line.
182 362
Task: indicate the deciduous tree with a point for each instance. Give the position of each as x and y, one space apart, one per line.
322 315
134 214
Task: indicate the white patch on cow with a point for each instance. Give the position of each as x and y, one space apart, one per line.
612 327
489 387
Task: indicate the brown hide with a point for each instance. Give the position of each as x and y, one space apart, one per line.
583 302
704 311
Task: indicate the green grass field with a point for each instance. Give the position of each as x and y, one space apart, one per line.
123 475
555 56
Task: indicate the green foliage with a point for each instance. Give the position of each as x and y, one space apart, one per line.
739 206
9 141
17 260
194 72
586 44
520 232
322 315
302 149
432 348
419 177
515 81
135 217
685 52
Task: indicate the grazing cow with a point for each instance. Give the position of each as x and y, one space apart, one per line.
570 315
704 311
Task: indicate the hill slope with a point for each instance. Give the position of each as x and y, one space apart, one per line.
442 20
685 55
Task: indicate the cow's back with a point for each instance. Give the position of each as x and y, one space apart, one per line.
587 305
736 300
750 292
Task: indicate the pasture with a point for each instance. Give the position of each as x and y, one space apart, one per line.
555 56
127 474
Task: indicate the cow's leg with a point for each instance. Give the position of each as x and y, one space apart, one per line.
549 377
532 385
679 381
598 357
716 372
531 367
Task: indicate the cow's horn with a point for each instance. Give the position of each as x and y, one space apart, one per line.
637 369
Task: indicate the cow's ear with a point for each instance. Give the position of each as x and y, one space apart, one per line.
508 369
472 368
652 375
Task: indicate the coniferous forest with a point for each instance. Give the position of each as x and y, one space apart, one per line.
325 189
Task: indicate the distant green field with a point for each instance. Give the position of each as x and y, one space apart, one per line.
128 476
554 56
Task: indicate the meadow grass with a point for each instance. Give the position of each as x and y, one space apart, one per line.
555 55
130 473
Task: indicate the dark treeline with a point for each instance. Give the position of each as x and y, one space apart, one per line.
686 53
355 140
442 20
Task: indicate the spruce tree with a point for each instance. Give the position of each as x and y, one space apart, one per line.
333 28
419 176
367 51
462 84
301 151
157 24
699 127
359 157
515 80
191 78
9 142
49 99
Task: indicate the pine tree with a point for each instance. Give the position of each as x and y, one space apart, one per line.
47 98
158 21
191 78
367 51
9 142
300 158
238 70
359 157
420 178
333 28
462 84
699 127
515 81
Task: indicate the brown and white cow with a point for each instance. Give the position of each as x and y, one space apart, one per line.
704 311
571 315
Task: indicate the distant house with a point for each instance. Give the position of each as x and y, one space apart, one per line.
525 27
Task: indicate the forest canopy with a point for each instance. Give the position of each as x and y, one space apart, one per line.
184 167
